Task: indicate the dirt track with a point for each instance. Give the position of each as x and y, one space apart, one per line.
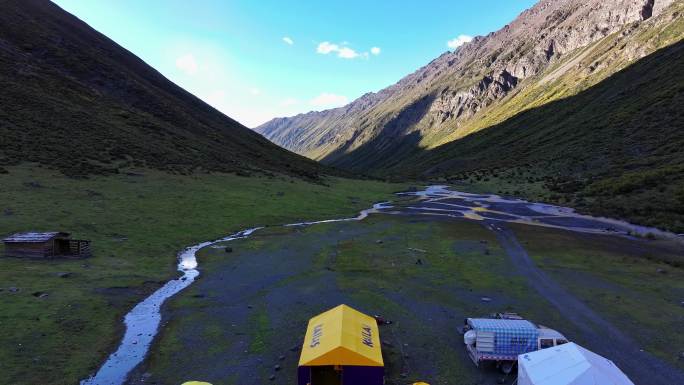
281 278
605 338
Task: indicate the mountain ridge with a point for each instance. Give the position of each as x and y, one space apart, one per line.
457 85
76 101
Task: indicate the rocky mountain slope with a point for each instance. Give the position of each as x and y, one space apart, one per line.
551 51
72 99
615 149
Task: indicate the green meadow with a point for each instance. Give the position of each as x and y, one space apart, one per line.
137 223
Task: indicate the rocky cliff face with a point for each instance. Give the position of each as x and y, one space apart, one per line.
447 99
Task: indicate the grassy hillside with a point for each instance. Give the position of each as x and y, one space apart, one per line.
75 101
614 149
137 224
551 107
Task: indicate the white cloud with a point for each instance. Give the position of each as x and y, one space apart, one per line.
328 100
288 40
187 64
343 52
459 41
347 53
326 47
375 51
289 102
255 91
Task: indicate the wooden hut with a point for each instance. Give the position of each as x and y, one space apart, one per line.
45 245
341 347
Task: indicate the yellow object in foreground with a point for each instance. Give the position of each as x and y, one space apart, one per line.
420 383
342 336
195 383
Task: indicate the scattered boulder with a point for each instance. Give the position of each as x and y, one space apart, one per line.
228 249
63 274
276 367
486 299
661 271
40 294
379 241
419 261
272 377
13 289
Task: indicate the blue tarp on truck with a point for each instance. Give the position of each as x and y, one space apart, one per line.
510 337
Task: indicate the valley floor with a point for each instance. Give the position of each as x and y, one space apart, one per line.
248 311
137 222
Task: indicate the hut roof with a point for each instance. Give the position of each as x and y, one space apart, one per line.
342 336
33 237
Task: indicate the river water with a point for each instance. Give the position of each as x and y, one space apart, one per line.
142 322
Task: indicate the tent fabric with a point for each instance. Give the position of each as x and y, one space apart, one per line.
568 364
342 336
351 375
511 337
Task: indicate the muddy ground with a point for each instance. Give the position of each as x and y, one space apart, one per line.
243 321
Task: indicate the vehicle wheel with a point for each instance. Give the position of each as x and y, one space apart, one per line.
506 367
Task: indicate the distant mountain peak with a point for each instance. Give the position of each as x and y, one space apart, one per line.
464 82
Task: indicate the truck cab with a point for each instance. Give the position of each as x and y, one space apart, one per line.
549 338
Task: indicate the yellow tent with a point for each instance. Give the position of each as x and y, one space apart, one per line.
341 340
342 336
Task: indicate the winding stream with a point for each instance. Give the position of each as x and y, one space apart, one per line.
142 322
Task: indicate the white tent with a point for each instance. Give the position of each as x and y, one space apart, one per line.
568 364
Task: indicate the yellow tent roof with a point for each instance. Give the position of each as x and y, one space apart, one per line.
341 336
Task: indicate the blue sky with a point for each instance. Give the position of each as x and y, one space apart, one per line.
255 60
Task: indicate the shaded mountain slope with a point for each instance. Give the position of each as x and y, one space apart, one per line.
556 48
72 99
615 149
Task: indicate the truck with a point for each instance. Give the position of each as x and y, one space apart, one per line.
500 340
